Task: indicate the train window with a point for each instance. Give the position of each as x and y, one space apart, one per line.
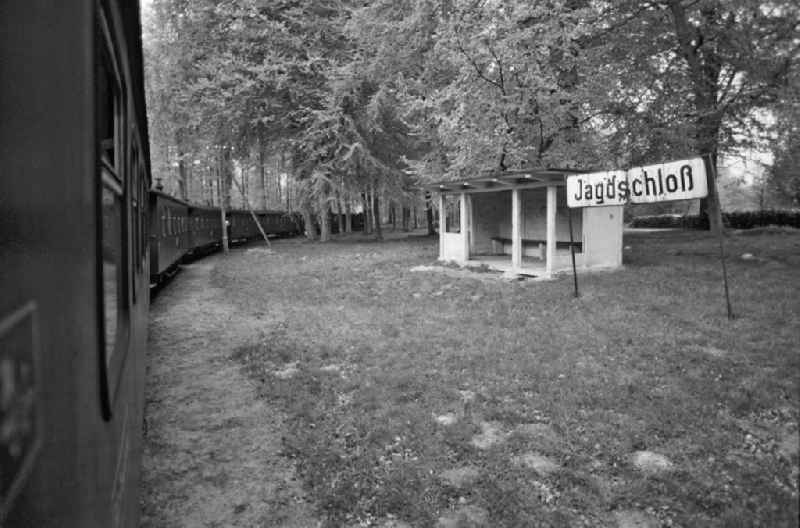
111 181
133 192
113 258
145 225
135 206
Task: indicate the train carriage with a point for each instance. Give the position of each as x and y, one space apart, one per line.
81 236
206 230
242 226
170 234
73 232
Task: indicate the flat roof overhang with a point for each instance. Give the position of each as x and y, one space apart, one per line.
505 180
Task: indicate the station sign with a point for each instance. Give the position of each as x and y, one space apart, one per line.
663 182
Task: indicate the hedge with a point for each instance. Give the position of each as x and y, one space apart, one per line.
734 220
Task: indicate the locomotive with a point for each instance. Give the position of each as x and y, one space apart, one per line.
82 237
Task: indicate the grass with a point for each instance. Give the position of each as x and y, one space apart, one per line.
644 360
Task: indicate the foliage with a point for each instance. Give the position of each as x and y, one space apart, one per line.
732 219
364 95
783 178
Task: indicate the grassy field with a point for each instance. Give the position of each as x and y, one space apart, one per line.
453 398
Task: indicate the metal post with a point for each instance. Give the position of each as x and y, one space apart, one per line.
713 170
572 252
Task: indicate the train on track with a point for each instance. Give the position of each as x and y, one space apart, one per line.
82 237
182 231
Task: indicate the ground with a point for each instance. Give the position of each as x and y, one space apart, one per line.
405 394
213 448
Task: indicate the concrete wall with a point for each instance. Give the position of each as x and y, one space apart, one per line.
452 247
602 239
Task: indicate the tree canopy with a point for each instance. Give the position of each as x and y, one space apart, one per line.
377 96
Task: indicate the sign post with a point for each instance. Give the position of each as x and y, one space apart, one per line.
572 253
721 239
664 182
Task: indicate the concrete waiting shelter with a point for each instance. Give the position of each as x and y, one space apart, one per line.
518 221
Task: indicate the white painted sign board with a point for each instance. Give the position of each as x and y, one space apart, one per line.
664 182
597 188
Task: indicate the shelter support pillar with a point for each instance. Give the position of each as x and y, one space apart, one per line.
464 223
551 229
442 225
516 230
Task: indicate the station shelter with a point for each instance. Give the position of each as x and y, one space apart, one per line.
518 222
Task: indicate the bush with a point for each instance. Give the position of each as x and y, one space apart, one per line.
751 219
734 220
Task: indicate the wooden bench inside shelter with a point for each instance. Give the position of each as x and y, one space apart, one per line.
498 244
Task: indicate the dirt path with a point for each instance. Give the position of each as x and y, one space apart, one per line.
212 451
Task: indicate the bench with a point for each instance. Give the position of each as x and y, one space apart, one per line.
499 242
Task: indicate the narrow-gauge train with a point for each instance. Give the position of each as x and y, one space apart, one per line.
74 254
181 230
81 236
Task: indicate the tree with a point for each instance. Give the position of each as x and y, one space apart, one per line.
688 77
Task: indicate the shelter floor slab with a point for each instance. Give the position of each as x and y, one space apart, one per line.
530 265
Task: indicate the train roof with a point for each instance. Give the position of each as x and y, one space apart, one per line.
202 207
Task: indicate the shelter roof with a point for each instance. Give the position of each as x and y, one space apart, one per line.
505 180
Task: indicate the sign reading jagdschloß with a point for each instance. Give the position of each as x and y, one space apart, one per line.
677 180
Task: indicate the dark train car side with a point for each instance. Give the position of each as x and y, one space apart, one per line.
205 230
181 232
170 234
74 253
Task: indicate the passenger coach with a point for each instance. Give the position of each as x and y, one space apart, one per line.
74 254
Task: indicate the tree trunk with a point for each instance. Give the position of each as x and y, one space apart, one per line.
348 217
308 222
209 190
182 179
710 204
367 207
263 173
223 216
429 213
339 210
182 192
282 193
324 221
253 215
376 212
704 70
243 192
227 176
